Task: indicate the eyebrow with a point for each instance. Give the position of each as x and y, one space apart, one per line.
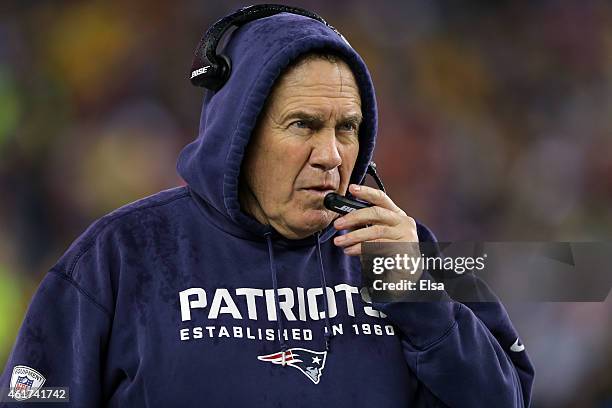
319 118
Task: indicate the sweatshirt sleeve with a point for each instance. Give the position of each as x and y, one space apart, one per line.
463 356
63 337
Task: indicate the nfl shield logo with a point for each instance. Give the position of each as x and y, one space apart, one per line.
23 383
24 380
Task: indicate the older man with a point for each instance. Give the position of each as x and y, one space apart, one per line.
237 289
305 146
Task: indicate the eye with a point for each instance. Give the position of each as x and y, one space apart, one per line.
302 127
301 124
348 127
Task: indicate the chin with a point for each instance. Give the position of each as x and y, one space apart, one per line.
312 221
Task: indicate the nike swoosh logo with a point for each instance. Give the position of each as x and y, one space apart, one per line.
517 347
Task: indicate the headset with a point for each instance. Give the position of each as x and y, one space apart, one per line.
211 70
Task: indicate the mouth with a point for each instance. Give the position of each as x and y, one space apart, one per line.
321 191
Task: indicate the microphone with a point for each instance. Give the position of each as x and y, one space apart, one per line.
343 205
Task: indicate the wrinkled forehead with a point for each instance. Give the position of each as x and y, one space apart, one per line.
316 74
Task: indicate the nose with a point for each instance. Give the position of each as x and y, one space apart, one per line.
325 154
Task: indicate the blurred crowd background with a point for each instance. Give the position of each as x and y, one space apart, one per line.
495 124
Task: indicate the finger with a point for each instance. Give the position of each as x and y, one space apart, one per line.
353 250
374 196
364 234
370 215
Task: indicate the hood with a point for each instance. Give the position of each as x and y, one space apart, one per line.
260 50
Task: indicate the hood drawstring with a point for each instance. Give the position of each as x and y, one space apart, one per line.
279 320
328 332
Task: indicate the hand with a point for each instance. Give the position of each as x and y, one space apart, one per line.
387 222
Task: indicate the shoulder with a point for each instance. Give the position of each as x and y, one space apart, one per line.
92 263
106 233
160 202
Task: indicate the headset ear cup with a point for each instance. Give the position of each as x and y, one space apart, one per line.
213 75
222 72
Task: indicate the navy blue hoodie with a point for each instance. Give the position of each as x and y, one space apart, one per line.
182 299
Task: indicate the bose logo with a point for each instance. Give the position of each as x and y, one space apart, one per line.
200 71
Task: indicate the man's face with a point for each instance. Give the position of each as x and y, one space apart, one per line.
305 146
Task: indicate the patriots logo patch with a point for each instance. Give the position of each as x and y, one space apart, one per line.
310 363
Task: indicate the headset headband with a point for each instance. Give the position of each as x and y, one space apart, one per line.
211 70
